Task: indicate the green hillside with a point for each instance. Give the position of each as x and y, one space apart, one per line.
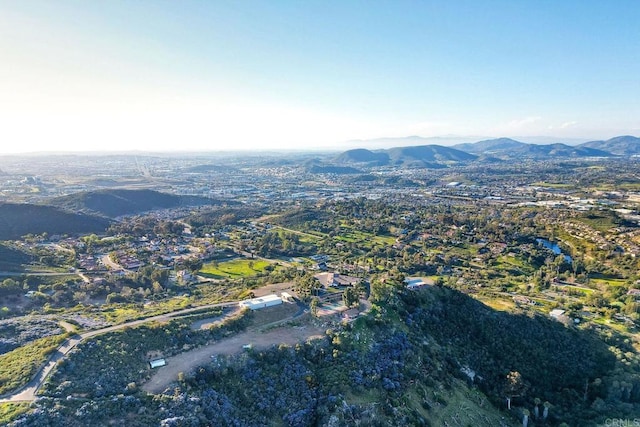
625 145
12 259
114 203
17 220
431 357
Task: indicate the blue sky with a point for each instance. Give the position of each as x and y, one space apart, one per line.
217 75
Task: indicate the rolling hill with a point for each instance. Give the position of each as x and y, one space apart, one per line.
625 145
491 146
17 220
114 203
409 141
427 155
362 155
12 259
559 150
431 156
490 150
507 148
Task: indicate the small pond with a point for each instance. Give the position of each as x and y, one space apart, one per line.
554 248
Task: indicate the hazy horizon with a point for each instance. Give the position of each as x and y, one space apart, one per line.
236 76
370 144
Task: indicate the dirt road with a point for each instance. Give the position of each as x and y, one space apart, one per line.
186 361
190 360
28 392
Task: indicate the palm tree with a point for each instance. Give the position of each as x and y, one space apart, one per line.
545 412
536 409
525 417
514 386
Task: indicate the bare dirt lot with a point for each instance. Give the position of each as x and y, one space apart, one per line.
276 288
256 336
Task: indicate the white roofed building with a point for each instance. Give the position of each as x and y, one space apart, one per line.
261 302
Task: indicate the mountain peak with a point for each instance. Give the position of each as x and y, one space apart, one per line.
489 146
430 155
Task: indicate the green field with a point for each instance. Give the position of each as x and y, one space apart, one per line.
600 221
513 263
551 184
234 269
304 237
582 289
629 186
350 235
500 304
607 281
18 366
9 411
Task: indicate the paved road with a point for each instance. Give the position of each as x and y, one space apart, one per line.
106 261
27 393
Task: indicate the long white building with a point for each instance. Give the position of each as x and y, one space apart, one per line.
262 302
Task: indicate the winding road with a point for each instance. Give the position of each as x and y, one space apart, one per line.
259 339
27 393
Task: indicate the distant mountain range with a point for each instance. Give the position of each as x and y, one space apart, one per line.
432 156
500 149
118 202
491 146
509 148
626 145
427 154
408 141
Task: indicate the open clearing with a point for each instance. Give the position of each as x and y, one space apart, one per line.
276 288
255 336
234 268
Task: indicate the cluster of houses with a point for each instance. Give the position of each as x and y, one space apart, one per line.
89 262
132 255
619 239
127 260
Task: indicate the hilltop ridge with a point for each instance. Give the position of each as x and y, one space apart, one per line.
497 149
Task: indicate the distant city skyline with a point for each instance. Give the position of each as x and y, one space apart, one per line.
248 75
